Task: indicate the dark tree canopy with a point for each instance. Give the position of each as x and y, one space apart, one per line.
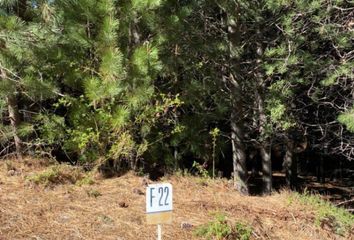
161 85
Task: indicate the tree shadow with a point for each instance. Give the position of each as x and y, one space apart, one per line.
335 191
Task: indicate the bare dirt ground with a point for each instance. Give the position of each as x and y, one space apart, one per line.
115 209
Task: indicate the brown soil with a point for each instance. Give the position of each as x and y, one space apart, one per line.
115 209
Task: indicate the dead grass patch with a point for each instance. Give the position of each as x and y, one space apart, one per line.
117 210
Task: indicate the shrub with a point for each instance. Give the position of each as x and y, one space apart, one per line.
58 174
337 219
221 228
200 170
87 180
243 231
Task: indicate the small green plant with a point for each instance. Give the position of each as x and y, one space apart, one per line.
58 174
93 193
216 229
214 134
200 169
87 180
106 219
327 214
220 228
243 231
140 172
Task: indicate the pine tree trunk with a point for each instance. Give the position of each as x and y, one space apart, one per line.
290 165
266 169
240 173
12 104
320 170
14 121
14 116
238 149
265 146
265 138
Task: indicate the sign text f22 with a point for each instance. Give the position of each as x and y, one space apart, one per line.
159 198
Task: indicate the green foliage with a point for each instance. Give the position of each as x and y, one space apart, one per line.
58 174
93 193
347 119
51 128
338 219
144 81
87 180
6 133
145 61
124 147
200 170
342 71
142 5
243 231
25 129
216 229
215 134
221 228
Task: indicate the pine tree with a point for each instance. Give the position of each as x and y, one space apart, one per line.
298 60
22 39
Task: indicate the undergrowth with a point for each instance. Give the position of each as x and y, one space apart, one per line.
87 180
60 174
339 220
9 166
93 193
221 228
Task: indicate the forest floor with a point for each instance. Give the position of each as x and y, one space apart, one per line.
115 209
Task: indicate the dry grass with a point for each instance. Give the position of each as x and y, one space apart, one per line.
114 209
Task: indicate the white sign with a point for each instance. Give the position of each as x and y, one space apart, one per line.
159 198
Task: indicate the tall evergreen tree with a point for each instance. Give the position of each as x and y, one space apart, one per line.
24 38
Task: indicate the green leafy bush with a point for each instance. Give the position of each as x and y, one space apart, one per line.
58 174
243 231
220 228
200 170
347 119
87 180
327 214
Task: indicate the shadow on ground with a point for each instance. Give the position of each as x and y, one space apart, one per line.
337 191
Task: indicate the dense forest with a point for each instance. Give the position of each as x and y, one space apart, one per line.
238 88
